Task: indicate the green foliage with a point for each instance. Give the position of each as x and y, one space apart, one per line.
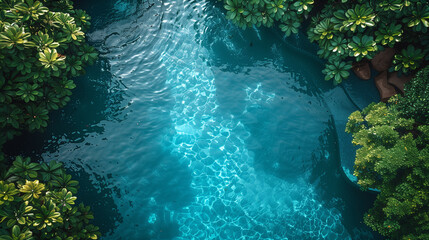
361 16
418 17
409 59
290 26
393 158
324 30
289 14
368 26
7 192
337 71
338 45
393 5
32 206
361 46
389 34
303 5
415 102
42 46
50 59
14 37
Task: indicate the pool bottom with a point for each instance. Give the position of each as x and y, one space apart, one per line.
232 200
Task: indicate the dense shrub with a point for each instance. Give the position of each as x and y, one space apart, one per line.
37 202
359 29
415 102
288 14
393 158
42 46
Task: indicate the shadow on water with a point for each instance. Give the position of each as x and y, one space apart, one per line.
96 98
94 191
235 50
111 11
332 184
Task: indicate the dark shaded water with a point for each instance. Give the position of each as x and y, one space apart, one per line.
189 128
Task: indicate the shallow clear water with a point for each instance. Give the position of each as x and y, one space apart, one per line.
190 128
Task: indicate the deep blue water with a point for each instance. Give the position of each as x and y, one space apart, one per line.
190 128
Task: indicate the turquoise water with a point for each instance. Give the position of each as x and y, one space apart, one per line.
190 128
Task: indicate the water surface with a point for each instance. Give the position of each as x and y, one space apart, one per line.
190 128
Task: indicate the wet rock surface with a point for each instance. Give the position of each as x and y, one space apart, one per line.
362 70
383 60
398 80
386 90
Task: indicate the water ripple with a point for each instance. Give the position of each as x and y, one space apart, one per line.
190 128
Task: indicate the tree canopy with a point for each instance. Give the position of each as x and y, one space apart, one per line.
393 158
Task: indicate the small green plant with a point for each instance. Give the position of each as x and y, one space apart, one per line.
324 29
290 27
337 71
360 16
14 36
389 34
362 46
303 5
409 59
37 202
339 45
419 17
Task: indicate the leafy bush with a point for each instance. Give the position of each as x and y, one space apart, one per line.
393 158
415 102
37 202
289 14
366 27
42 46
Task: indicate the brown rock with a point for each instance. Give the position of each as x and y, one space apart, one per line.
386 90
362 70
398 81
383 60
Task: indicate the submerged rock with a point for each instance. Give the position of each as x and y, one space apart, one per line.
383 60
398 81
362 70
386 90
